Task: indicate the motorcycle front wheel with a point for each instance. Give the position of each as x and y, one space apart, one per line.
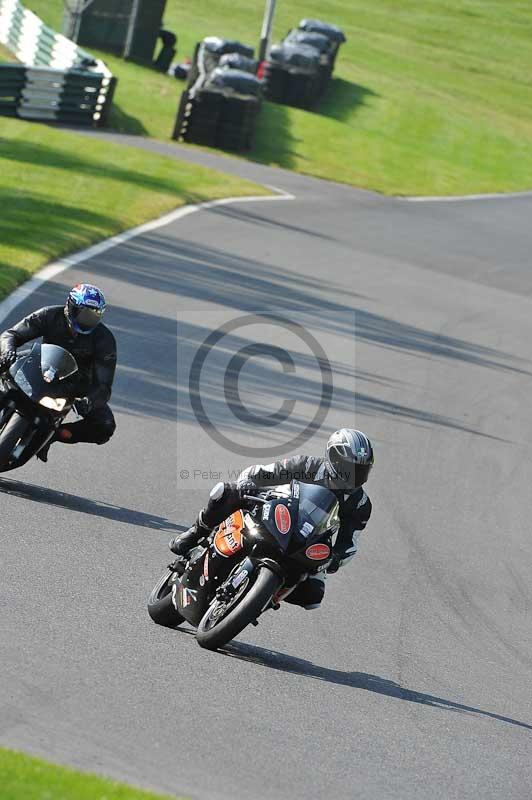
10 435
223 621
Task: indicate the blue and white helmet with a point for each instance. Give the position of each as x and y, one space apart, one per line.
84 308
348 459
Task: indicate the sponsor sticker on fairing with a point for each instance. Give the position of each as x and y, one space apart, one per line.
228 539
239 578
266 510
283 519
306 529
318 552
174 597
184 596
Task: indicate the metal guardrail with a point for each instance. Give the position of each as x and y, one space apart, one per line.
56 80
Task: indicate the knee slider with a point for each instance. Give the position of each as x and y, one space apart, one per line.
315 591
217 492
223 493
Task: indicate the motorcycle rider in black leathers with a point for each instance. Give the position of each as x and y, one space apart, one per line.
76 327
344 469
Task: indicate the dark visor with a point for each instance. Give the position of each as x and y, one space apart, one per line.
351 475
87 318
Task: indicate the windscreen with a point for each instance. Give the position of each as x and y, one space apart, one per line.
56 363
318 508
39 372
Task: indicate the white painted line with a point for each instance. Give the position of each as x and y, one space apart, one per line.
55 268
461 198
279 191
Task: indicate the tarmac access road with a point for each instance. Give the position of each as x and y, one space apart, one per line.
414 679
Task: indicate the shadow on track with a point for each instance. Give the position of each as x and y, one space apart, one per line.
193 271
83 505
153 385
148 382
243 215
355 680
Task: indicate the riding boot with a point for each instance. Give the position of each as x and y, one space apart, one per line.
224 499
182 544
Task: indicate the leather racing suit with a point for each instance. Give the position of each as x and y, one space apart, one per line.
95 354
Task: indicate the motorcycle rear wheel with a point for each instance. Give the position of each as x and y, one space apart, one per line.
213 633
161 606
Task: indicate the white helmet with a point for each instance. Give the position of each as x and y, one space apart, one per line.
348 458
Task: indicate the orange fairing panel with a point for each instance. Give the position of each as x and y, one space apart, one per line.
228 538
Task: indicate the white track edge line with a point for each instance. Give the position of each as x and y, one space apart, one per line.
56 267
463 197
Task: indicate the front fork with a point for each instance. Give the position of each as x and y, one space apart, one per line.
6 412
242 572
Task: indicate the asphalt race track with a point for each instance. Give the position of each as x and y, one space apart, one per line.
414 680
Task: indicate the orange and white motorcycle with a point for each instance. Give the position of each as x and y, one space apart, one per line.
249 563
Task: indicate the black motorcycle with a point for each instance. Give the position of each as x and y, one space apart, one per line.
249 563
35 396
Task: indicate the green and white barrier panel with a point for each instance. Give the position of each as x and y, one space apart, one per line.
56 80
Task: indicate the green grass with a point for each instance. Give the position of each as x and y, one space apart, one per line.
6 55
60 192
430 96
26 778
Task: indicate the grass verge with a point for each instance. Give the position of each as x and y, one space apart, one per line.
6 55
61 192
27 778
429 97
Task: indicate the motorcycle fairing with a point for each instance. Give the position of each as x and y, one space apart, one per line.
208 568
271 520
190 592
40 425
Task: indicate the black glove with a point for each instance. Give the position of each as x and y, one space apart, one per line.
83 406
247 488
7 358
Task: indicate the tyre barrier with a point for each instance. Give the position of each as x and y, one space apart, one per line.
220 105
298 71
215 118
57 80
335 34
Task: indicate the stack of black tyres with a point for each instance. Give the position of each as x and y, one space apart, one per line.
335 34
299 69
291 75
324 67
219 108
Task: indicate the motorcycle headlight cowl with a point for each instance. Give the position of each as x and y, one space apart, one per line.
54 403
